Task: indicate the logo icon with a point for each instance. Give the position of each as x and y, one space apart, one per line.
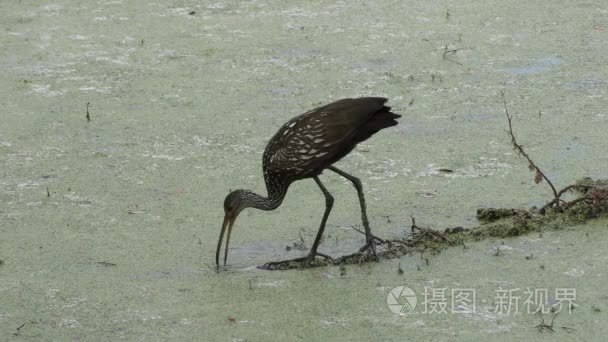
401 300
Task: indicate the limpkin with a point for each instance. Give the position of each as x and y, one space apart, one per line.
302 148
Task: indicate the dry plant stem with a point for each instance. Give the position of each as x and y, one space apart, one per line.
572 203
373 236
447 51
563 191
523 153
544 326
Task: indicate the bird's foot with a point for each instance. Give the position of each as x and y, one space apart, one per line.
372 241
308 261
365 254
369 247
382 241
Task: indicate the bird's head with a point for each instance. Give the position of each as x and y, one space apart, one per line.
234 203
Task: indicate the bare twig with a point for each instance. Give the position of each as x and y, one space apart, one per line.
544 326
414 226
447 52
19 329
540 175
300 245
362 232
563 191
573 202
358 230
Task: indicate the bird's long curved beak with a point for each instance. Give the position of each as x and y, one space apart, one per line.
228 222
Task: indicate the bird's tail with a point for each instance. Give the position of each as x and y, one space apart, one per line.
383 118
386 112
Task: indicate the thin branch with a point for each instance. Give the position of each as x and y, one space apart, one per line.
414 226
362 232
447 51
563 191
523 153
580 199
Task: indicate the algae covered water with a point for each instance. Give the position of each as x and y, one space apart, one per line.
108 226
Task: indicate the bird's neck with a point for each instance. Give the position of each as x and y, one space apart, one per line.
276 194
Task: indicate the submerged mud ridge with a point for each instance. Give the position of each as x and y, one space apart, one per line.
591 202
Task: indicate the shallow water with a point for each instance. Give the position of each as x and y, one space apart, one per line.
181 107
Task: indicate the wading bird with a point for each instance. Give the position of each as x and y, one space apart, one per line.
304 147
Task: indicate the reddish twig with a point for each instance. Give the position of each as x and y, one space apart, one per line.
540 175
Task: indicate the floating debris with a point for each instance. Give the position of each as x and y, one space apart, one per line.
495 223
105 263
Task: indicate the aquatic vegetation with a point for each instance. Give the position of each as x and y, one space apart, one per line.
592 203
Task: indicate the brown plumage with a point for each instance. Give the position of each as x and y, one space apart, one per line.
305 146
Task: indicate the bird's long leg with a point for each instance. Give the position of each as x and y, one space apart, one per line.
329 202
369 238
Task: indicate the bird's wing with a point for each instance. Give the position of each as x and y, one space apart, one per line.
313 140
